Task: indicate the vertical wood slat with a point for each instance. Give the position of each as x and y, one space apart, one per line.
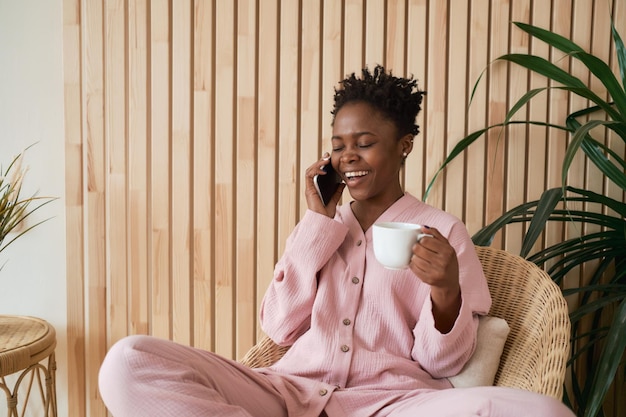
395 36
138 167
455 102
195 120
245 179
267 131
203 163
73 66
224 177
435 116
537 136
515 151
475 167
288 169
181 244
116 143
496 111
417 64
95 202
159 191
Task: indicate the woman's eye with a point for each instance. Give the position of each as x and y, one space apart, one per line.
338 149
365 145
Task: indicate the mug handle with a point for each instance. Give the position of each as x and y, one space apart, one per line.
420 236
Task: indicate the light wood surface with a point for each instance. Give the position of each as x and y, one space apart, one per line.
189 125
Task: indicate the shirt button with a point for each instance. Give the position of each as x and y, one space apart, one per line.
359 242
345 348
355 280
347 322
323 392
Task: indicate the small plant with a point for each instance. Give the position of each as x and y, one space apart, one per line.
14 209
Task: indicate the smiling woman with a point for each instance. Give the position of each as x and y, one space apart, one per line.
365 339
368 151
373 131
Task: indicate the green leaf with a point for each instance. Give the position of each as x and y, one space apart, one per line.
601 105
595 65
484 236
606 76
594 305
569 82
521 103
594 151
551 38
577 140
545 207
544 67
609 361
458 148
593 197
620 52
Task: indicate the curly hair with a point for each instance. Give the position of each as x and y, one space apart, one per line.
397 98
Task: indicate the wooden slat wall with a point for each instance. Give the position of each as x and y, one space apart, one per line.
190 123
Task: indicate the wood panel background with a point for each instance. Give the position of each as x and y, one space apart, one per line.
189 124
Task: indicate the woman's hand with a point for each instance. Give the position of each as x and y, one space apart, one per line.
313 200
434 261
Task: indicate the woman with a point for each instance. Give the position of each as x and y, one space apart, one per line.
366 341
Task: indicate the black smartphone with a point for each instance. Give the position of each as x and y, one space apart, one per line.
326 185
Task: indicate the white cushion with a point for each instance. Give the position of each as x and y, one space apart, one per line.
481 368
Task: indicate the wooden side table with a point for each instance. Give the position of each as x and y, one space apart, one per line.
25 342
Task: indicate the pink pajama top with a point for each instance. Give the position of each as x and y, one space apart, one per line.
362 335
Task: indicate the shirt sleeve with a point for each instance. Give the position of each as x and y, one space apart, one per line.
288 302
444 355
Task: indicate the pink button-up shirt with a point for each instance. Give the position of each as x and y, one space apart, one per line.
361 334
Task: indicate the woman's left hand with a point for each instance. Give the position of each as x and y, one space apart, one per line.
434 261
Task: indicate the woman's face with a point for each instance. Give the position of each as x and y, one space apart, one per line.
368 153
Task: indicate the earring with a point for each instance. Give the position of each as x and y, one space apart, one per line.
405 154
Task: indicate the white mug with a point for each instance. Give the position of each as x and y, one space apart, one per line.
393 243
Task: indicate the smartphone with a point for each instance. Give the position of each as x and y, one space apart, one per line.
326 185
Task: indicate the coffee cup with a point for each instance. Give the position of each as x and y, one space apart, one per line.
393 243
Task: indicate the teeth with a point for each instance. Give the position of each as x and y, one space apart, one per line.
355 174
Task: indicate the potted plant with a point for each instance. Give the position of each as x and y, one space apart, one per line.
14 208
601 347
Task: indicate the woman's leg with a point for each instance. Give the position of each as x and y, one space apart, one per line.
146 376
480 401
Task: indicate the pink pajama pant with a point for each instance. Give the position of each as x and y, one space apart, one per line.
146 376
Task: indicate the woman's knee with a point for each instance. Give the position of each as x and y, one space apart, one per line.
124 359
125 350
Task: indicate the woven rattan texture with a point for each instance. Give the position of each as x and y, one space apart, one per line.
24 341
537 348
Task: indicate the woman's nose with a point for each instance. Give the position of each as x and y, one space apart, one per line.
349 155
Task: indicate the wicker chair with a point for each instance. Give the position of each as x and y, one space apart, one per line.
537 348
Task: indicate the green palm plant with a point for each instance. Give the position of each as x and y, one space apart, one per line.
14 209
601 348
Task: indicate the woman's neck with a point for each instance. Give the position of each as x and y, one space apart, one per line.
368 211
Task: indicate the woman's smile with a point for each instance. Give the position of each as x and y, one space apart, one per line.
353 176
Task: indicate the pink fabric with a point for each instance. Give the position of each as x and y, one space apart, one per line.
354 324
143 376
364 341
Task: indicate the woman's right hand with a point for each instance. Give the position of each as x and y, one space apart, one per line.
313 200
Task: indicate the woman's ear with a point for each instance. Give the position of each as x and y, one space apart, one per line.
406 143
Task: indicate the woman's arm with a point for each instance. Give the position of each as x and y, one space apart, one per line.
445 334
286 308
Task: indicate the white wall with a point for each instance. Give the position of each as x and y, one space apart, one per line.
32 281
